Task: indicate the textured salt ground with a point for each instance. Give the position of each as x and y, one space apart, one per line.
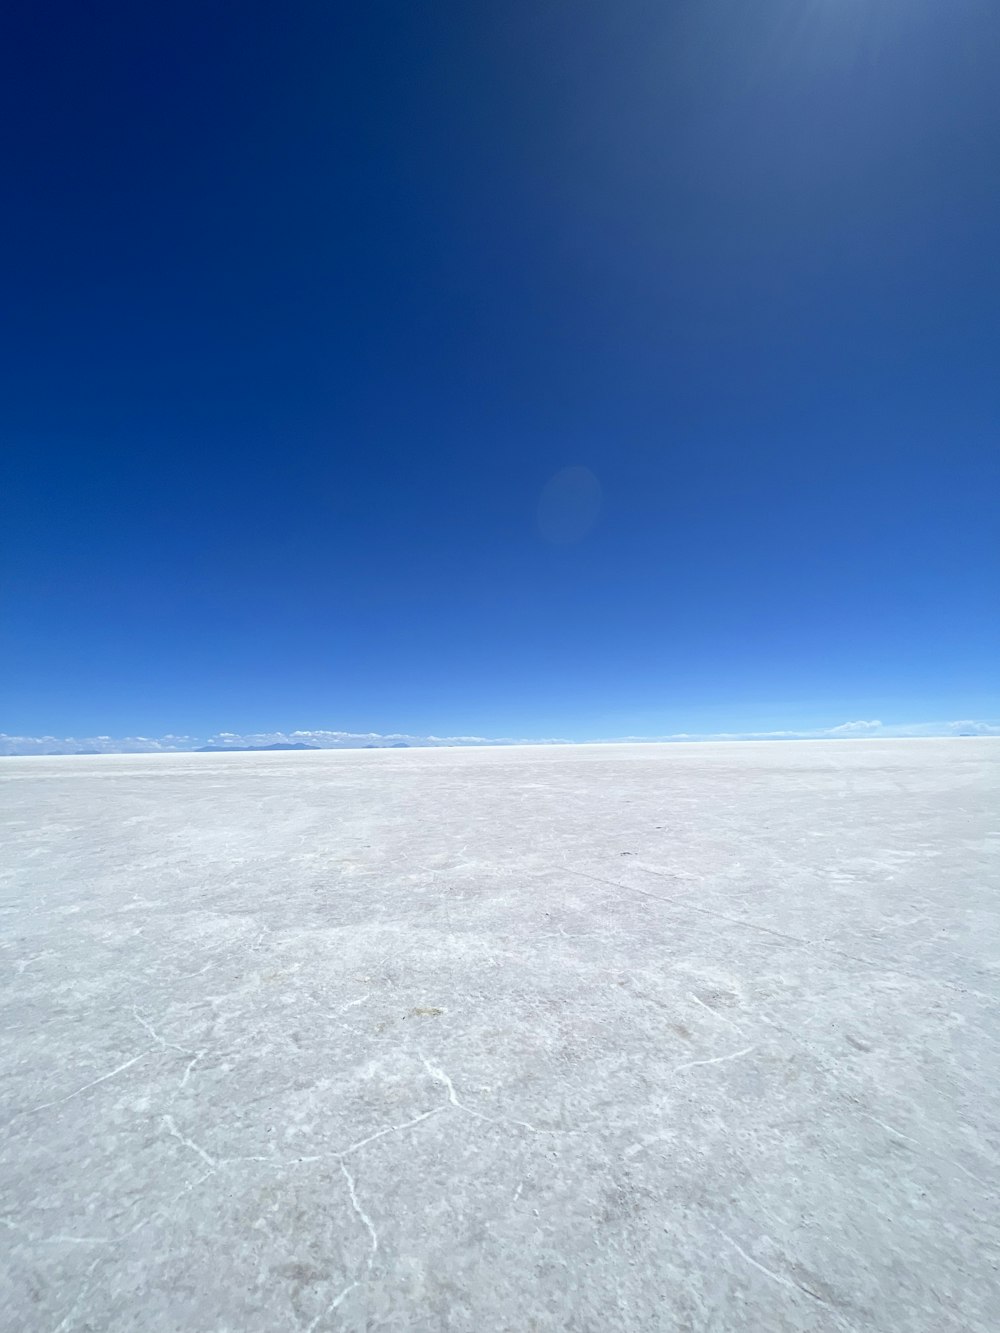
633 1037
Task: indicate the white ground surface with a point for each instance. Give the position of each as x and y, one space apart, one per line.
690 1037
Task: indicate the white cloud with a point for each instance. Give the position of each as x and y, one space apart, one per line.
975 728
323 738
842 731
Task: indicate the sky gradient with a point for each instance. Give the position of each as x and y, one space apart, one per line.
534 370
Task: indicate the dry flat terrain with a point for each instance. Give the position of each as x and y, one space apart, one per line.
691 1037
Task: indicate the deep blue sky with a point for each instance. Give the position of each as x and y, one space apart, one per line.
306 304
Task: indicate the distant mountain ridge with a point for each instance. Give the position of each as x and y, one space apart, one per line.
253 749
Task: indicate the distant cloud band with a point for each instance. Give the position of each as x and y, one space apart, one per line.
346 740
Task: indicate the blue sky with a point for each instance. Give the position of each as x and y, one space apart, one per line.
511 371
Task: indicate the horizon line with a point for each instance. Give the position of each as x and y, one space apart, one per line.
323 739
